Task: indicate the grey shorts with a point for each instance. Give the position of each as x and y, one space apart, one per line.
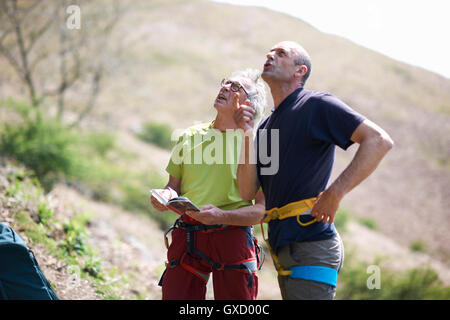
327 253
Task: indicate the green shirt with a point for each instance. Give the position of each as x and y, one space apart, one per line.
206 161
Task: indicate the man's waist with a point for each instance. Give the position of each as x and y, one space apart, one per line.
285 232
188 223
289 210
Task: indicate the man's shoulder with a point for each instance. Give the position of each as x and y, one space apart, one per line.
321 100
199 128
318 96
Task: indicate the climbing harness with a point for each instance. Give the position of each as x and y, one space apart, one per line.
296 209
248 265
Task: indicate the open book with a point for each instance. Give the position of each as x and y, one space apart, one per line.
179 204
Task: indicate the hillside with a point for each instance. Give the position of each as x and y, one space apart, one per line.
173 56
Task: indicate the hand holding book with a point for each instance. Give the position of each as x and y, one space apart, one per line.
167 199
159 198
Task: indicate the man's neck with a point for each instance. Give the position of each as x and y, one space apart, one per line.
281 90
224 122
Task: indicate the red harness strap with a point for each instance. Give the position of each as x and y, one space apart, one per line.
248 265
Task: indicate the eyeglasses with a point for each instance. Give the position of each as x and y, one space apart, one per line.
234 85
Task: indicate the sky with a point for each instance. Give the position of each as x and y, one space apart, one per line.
416 32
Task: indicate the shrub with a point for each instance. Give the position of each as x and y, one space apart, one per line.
44 146
369 223
420 283
45 213
418 246
75 234
99 143
53 151
157 133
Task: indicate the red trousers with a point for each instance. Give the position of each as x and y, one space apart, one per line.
186 275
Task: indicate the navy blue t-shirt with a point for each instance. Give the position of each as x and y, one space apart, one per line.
309 126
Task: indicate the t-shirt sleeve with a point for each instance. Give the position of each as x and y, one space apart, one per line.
173 169
175 165
334 121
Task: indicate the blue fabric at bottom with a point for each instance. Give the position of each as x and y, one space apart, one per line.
315 273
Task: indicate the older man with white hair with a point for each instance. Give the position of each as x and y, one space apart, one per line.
219 238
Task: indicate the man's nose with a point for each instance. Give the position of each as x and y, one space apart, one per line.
225 88
269 55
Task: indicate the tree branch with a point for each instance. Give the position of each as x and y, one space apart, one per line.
95 89
34 36
13 16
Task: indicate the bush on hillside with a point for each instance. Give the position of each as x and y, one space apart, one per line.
421 283
54 151
45 146
157 133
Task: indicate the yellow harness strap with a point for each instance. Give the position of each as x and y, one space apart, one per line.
290 210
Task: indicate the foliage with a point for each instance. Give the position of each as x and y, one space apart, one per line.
45 146
157 133
419 283
418 246
45 213
75 234
93 266
341 219
98 143
368 222
63 237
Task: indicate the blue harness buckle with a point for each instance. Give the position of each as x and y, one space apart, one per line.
315 273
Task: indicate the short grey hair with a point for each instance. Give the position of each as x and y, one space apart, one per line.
257 95
303 58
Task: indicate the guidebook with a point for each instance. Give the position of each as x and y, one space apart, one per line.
179 204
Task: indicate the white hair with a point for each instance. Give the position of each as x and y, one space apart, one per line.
257 94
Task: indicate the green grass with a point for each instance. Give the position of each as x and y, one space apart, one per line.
341 219
42 145
418 246
368 222
157 133
421 283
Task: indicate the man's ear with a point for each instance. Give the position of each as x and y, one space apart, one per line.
300 71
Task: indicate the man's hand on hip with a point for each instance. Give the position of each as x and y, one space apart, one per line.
326 206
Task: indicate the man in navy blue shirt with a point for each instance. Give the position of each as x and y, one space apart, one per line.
301 135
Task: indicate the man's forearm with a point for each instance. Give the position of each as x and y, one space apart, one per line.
374 143
246 173
245 216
